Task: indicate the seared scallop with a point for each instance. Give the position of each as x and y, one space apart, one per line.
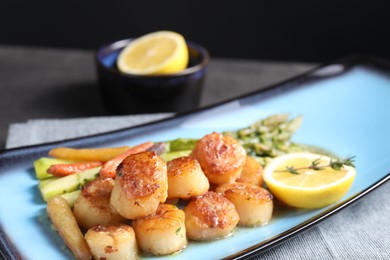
92 207
210 216
161 233
114 242
141 184
253 203
252 172
186 178
221 157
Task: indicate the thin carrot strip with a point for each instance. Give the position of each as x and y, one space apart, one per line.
61 170
109 168
88 154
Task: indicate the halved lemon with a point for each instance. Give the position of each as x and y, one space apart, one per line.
307 188
157 53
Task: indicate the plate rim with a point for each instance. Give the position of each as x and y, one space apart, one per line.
347 62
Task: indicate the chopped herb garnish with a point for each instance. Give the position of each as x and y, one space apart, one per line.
269 137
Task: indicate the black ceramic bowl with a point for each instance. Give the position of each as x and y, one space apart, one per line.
133 94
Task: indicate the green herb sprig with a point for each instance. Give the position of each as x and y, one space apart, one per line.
335 164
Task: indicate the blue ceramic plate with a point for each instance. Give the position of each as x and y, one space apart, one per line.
345 110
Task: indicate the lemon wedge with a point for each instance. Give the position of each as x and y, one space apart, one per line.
307 188
157 53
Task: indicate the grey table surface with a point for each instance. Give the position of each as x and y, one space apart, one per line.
61 83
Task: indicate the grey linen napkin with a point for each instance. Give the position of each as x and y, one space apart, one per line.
361 231
39 131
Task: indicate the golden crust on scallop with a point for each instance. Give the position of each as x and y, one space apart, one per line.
98 191
253 203
186 178
210 216
92 207
139 174
165 211
252 172
245 189
221 157
177 166
161 233
140 186
112 242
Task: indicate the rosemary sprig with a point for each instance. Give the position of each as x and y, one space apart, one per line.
335 164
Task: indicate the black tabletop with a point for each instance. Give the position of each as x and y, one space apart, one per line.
61 83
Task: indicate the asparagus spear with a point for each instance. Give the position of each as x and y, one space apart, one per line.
182 144
269 137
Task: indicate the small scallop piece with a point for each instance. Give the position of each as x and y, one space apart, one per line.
253 203
210 216
186 178
113 242
141 184
221 157
163 232
92 207
252 172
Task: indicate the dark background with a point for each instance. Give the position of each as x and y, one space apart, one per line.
312 31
